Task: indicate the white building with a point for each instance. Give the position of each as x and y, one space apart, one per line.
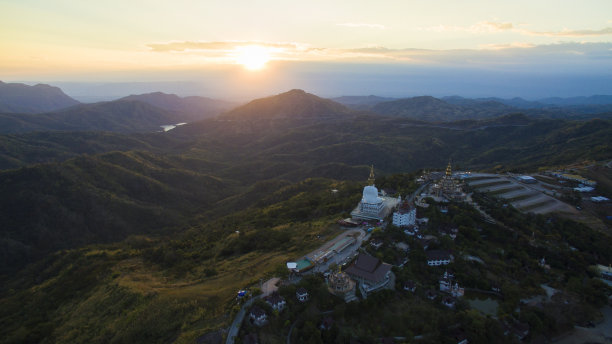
438 257
404 217
302 294
527 179
599 199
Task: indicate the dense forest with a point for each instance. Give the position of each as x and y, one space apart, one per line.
119 237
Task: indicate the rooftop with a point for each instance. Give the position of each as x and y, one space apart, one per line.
438 255
369 268
257 312
274 299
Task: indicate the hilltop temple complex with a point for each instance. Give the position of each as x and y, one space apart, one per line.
448 187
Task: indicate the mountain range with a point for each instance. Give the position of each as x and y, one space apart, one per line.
43 108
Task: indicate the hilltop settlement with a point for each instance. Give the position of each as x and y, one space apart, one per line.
459 247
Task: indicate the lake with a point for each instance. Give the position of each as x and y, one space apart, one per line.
169 127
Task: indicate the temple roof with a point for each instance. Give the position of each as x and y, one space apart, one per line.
369 268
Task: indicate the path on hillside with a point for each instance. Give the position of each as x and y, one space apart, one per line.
416 192
233 330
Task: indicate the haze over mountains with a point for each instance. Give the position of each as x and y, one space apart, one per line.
21 98
38 108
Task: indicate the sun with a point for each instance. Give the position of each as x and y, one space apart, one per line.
252 57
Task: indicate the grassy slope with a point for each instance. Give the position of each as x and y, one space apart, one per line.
160 289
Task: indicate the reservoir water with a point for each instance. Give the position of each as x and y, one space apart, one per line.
169 127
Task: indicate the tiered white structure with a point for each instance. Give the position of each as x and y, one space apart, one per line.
372 206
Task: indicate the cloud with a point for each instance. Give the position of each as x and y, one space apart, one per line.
570 33
366 25
480 27
179 46
506 46
496 27
486 27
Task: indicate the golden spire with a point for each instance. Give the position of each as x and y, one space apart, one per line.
449 171
371 178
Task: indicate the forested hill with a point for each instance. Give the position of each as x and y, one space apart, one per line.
194 108
294 104
99 199
125 116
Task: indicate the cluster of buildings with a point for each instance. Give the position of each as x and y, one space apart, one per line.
574 178
258 315
447 285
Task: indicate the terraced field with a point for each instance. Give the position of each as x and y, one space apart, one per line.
525 197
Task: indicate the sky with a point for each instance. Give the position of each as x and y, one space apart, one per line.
232 49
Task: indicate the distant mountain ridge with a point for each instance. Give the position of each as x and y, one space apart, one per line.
550 107
294 104
21 98
361 102
428 108
194 107
456 108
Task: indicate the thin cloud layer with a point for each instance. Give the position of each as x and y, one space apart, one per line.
510 53
496 27
572 33
481 27
366 25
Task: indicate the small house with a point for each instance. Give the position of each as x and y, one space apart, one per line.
258 316
410 286
276 301
302 294
448 301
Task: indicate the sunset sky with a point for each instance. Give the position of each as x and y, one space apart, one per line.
509 48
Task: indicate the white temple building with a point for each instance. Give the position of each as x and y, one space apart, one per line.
373 206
